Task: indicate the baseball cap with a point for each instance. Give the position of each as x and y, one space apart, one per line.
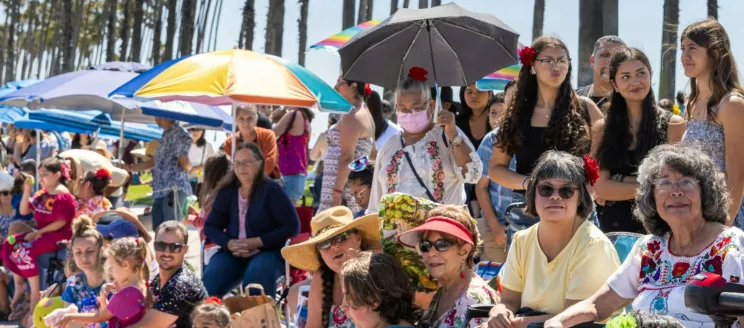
118 229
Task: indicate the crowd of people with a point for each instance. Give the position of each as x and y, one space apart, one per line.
670 175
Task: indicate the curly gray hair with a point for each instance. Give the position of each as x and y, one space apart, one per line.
688 161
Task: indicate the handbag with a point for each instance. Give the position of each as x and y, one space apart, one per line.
253 311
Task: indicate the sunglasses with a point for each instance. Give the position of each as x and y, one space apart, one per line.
441 245
564 192
5 193
161 246
338 239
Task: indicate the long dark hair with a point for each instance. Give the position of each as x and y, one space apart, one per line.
724 75
76 142
202 140
99 184
465 110
216 168
567 129
54 165
613 152
232 181
374 103
329 278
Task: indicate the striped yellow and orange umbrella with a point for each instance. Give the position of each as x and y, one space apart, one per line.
230 76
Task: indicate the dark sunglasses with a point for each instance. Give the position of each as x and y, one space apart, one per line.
340 238
441 245
161 246
5 193
564 192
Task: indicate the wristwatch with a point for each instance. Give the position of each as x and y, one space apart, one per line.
456 141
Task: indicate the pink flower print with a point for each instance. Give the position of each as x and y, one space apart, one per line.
450 319
437 195
338 317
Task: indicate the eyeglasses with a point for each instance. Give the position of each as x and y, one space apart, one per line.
549 62
686 184
565 192
161 246
412 110
441 245
244 164
338 239
5 193
358 194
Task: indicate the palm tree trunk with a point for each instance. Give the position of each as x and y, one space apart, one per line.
538 19
158 28
125 31
14 11
596 19
423 3
370 9
84 45
111 30
44 37
188 13
203 28
217 25
668 49
302 22
348 14
405 3
713 8
28 41
275 27
217 10
393 6
170 30
362 15
435 3
139 15
67 51
245 40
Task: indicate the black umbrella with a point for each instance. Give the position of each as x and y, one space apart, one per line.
456 46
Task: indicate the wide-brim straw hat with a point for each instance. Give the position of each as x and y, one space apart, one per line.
327 224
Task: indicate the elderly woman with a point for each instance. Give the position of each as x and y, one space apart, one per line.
683 202
247 117
431 160
336 234
448 243
251 219
564 258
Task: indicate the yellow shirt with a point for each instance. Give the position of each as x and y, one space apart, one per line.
578 271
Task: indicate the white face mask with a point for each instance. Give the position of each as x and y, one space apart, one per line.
414 122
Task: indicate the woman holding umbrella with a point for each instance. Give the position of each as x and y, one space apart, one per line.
351 138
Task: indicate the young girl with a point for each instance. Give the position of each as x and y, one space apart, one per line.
91 199
126 258
215 169
53 208
211 314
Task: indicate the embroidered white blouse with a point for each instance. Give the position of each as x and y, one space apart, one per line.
435 165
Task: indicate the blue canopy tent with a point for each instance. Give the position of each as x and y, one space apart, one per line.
91 121
9 114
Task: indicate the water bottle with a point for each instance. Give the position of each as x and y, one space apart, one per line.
90 306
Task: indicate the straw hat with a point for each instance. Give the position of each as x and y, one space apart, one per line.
148 152
101 146
326 225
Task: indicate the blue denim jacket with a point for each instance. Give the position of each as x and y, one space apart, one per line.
500 197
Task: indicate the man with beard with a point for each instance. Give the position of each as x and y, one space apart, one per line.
601 89
176 290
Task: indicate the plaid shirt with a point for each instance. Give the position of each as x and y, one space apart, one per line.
500 197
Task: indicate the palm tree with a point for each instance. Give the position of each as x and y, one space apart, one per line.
14 10
111 31
216 25
170 32
186 38
362 15
45 35
139 16
596 19
125 30
423 3
32 19
203 25
713 8
68 47
668 49
393 6
302 22
405 3
348 14
538 19
158 30
435 3
274 27
245 40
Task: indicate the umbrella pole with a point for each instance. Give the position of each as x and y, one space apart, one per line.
235 123
38 158
120 155
434 69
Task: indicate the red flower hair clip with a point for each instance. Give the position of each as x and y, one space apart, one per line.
367 90
213 300
418 73
527 56
147 284
103 173
592 169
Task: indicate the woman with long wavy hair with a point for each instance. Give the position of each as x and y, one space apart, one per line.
634 125
715 107
544 114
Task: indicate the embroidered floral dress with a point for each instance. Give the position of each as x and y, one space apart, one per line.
93 206
339 319
655 278
477 293
434 163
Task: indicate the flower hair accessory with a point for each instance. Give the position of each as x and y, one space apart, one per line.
213 300
591 169
527 56
103 173
418 73
65 171
367 90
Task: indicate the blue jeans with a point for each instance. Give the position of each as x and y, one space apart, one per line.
224 271
163 208
294 186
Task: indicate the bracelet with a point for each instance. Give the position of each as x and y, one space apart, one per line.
338 191
523 181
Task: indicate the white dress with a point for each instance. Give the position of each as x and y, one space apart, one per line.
655 278
435 165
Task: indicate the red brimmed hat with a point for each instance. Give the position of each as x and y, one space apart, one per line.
439 224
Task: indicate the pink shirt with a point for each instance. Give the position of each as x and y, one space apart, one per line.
242 211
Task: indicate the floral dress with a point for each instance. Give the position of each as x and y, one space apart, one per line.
477 293
338 318
655 279
93 206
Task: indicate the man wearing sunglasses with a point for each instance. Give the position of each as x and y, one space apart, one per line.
176 290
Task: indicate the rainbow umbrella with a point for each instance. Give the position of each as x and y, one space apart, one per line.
338 40
230 76
498 80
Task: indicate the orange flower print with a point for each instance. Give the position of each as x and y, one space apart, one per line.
49 204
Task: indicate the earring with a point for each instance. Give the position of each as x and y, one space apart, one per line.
532 70
462 270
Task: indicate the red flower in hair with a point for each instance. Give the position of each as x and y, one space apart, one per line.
592 169
527 56
103 173
147 284
367 90
213 300
418 73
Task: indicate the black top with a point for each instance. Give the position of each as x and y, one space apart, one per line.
531 150
617 216
180 295
463 122
584 92
264 121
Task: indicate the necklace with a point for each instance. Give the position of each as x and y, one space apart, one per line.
694 237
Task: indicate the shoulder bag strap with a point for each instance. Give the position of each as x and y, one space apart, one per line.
413 168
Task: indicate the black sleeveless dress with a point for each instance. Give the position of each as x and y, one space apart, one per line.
617 216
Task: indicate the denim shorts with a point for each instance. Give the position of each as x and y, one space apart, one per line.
294 186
